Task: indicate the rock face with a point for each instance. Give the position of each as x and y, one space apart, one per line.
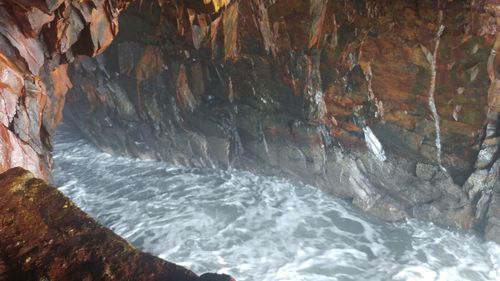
37 41
391 104
46 237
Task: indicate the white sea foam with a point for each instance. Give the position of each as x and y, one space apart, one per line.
259 228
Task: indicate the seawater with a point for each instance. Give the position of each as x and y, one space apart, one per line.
258 228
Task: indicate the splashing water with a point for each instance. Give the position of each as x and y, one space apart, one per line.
259 228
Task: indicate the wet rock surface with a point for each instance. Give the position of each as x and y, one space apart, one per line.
37 41
391 105
46 237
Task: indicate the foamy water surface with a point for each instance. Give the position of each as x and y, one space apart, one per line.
258 228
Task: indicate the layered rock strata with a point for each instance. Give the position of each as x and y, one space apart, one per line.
37 41
393 105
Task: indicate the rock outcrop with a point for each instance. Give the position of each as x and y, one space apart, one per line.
393 105
46 237
37 41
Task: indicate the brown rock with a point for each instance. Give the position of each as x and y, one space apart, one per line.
30 49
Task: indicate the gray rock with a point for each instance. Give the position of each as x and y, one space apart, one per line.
492 229
426 171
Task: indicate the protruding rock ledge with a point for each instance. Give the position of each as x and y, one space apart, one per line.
44 236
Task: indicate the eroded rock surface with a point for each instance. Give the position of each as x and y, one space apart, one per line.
393 105
37 41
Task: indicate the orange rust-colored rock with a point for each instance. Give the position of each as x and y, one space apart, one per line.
36 37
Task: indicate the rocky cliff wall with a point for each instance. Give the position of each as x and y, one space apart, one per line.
37 41
391 104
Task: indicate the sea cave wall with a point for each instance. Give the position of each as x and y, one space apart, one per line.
38 39
393 105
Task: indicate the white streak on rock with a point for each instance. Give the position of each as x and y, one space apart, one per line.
432 58
374 144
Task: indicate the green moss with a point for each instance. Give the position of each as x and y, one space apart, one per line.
18 185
